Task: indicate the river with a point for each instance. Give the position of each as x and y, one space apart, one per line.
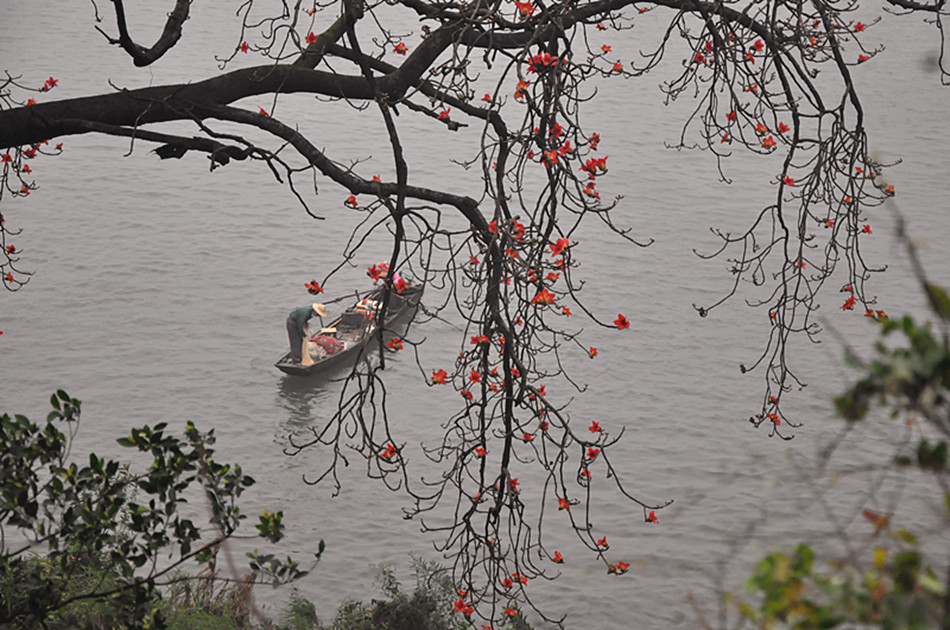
160 291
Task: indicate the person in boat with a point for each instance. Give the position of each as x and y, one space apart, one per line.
297 323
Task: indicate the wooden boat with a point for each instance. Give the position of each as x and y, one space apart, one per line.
346 338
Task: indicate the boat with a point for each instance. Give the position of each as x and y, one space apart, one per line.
344 339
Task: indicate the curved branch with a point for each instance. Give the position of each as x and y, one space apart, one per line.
142 56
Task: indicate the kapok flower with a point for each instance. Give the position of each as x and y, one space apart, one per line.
866 229
351 202
618 67
652 517
761 129
557 558
507 583
311 38
475 376
618 569
522 90
621 322
50 84
592 352
467 395
543 297
395 344
788 181
487 98
782 127
480 451
244 47
511 612
438 377
513 484
262 111
401 49
567 311
699 57
848 304
595 427
592 452
444 114
527 437
30 101
558 247
603 543
541 62
605 48
768 143
6 158
862 58
389 452
731 116
563 504
313 287
480 339
524 8
889 190
858 27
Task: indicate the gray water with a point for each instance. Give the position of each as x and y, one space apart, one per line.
160 289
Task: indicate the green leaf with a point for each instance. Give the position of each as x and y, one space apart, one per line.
939 301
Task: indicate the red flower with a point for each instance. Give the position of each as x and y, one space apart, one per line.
559 246
24 189
652 517
595 427
6 158
401 49
480 451
444 114
788 181
30 101
602 542
522 90
758 45
621 322
618 569
866 229
401 285
699 58
592 452
544 297
459 605
313 287
389 452
467 395
761 129
439 377
527 437
524 8
618 67
601 27
244 47
594 140
50 84
262 111
511 612
592 352
480 339
557 558
889 190
395 344
9 277
562 504
862 58
731 116
487 98
311 38
513 484
859 27
351 202
768 143
475 377
567 311
782 127
848 304
507 583
542 61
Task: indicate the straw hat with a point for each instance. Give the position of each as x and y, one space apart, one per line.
319 309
